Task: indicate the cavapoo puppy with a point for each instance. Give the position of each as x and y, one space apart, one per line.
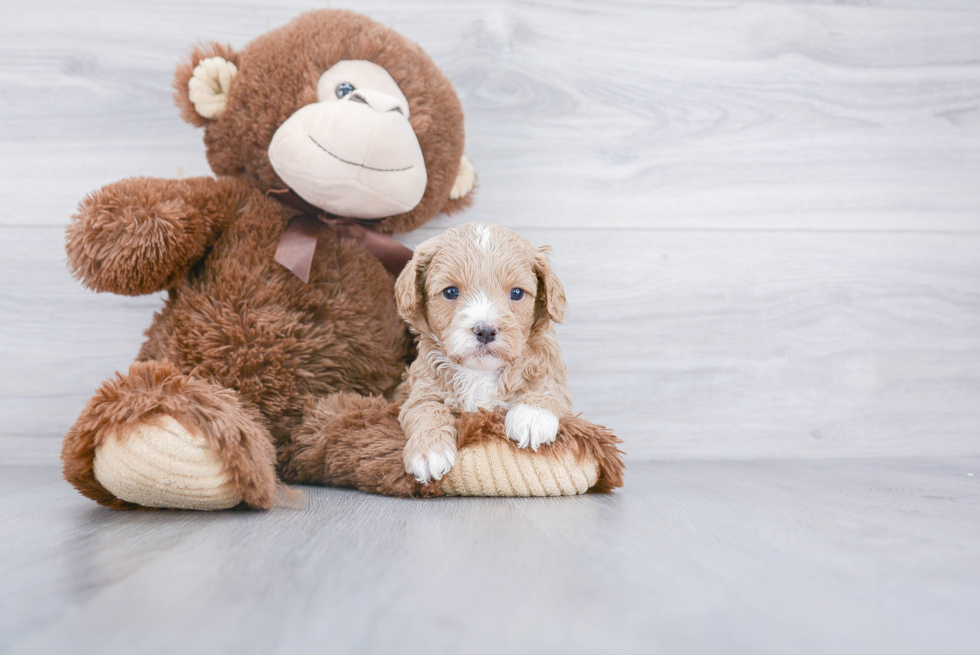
482 300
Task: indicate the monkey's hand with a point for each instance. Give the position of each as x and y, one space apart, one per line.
141 235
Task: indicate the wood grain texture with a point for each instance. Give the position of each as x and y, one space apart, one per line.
830 556
639 114
765 213
712 344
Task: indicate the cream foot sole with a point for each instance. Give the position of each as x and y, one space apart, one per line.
162 464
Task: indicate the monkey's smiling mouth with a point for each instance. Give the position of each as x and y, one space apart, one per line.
352 163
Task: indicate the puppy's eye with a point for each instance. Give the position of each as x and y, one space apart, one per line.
516 293
343 89
450 293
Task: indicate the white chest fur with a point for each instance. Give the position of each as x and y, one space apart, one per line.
475 389
470 389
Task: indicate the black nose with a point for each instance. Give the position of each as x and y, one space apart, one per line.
485 333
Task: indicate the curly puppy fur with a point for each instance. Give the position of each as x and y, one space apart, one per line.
481 348
236 326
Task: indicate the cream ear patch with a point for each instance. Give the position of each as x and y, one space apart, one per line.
208 87
465 179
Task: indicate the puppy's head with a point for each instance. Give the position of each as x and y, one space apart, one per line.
479 292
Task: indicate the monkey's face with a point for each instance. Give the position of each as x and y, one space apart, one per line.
353 153
349 114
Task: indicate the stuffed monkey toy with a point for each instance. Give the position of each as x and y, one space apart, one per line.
278 353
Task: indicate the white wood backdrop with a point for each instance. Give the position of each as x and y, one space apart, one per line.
766 214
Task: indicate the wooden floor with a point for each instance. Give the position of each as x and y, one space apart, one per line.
767 218
826 556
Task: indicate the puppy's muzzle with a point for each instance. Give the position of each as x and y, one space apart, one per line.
485 333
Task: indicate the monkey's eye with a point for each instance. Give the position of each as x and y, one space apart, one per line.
343 89
450 293
516 293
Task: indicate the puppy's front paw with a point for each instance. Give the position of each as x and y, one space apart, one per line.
429 458
531 426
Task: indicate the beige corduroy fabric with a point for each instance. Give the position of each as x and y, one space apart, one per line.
162 464
494 468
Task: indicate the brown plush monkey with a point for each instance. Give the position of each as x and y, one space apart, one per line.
279 348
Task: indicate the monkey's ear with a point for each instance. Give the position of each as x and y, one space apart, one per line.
202 82
460 195
410 286
550 302
465 179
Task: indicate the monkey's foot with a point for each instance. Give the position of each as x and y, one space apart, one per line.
160 463
155 437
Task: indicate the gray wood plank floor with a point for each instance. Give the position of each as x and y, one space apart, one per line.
782 556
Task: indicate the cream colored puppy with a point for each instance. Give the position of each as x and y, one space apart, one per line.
482 300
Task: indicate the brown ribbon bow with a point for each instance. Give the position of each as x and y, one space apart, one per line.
298 241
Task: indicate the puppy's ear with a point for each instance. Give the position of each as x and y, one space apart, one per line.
202 82
550 302
410 287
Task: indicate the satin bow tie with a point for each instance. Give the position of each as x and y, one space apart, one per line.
298 241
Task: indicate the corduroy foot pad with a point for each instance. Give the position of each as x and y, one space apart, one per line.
584 457
160 463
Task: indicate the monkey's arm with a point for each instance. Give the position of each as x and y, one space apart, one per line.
141 235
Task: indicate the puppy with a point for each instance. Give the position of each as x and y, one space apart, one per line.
482 301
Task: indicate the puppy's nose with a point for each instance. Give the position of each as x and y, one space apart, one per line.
485 333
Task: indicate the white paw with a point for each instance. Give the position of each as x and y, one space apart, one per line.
531 426
432 464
